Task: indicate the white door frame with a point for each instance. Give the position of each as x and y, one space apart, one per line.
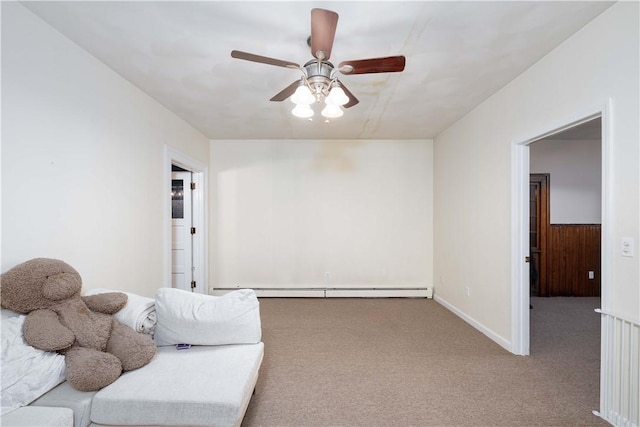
172 156
520 326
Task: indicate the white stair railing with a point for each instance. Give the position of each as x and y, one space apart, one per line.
620 373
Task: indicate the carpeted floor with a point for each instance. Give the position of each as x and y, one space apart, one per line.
411 362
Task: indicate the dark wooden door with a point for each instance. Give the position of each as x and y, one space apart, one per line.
538 233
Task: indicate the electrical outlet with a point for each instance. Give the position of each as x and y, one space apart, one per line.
467 291
628 246
592 275
327 275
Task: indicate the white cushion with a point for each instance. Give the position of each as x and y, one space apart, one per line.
199 386
190 318
65 396
40 416
27 373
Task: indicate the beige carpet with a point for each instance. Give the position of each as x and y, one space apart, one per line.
411 362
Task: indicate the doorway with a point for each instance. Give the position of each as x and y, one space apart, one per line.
564 327
520 308
569 237
185 227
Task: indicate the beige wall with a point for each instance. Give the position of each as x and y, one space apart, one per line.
472 173
286 213
82 160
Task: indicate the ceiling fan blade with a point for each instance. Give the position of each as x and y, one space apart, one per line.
323 30
389 64
352 99
263 59
286 92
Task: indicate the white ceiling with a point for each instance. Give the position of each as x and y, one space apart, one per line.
458 54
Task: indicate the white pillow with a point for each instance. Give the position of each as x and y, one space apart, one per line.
27 373
190 318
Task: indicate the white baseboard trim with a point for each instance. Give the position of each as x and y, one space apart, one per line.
380 293
470 320
334 292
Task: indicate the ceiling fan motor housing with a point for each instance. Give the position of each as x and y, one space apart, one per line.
319 77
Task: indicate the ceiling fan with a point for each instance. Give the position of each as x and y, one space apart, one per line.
319 81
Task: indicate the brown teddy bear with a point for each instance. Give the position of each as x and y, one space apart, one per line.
97 347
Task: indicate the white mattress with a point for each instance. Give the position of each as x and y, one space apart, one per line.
203 385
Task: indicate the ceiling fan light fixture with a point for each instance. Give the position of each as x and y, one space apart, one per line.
332 111
303 95
336 96
318 82
303 111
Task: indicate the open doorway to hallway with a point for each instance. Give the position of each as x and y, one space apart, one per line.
565 240
565 271
566 212
612 344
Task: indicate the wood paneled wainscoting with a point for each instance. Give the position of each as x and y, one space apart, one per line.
574 251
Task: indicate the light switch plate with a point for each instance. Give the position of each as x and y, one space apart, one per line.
628 246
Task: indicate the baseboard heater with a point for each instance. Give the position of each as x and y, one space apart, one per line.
334 292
